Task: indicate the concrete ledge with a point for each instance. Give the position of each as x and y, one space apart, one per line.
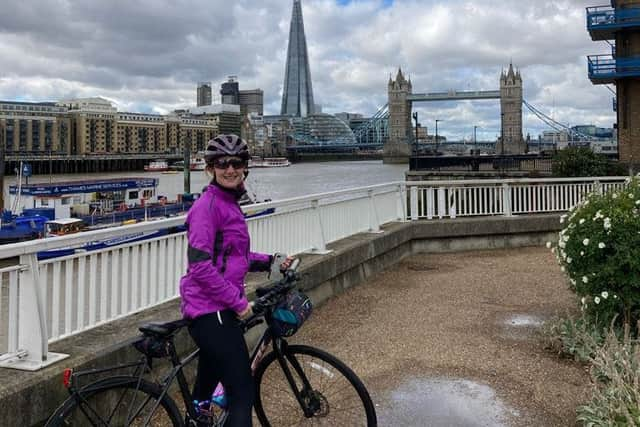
28 398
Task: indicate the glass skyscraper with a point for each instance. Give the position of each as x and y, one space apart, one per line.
297 98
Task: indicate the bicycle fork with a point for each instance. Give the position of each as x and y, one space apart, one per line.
303 396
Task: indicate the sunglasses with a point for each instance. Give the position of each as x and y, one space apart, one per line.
234 162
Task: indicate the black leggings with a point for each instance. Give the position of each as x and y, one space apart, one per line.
224 358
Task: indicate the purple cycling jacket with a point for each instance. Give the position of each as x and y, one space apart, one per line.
218 255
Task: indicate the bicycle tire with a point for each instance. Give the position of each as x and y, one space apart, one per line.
276 404
91 405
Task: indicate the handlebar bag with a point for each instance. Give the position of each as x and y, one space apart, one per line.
290 314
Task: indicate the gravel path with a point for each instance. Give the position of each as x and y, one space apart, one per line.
460 316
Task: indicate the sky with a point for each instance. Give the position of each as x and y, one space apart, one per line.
148 55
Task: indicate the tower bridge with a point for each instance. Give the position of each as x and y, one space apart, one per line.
401 99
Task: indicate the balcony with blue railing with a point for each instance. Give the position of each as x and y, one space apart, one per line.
606 69
604 21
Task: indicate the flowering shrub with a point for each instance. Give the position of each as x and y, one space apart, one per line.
599 249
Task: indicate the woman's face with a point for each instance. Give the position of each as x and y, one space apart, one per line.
229 171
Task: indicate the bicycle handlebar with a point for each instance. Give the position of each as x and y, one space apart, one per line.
269 296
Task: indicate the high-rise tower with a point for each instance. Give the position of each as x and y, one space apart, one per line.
297 97
204 94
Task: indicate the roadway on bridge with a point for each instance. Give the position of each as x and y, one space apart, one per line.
453 340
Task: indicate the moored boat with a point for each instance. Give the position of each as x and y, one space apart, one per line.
157 166
269 162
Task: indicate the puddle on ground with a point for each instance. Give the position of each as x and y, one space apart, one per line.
524 320
443 402
520 326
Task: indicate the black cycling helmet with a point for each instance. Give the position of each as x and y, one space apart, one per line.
226 145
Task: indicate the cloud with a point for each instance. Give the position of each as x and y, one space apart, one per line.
149 55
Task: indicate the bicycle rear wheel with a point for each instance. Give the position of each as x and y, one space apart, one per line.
332 394
117 401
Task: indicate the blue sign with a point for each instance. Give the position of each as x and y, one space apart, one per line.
26 169
62 188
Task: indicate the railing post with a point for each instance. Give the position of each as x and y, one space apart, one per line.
320 244
374 222
401 207
430 203
442 202
597 187
414 203
33 347
506 199
452 203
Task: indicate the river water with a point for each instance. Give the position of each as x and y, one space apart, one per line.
299 179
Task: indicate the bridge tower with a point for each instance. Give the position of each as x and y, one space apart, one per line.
620 23
397 149
511 141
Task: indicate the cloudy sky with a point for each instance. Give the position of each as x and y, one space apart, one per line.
148 55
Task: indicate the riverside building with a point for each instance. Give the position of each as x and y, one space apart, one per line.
93 126
619 25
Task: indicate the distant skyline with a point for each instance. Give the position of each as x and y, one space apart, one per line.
147 56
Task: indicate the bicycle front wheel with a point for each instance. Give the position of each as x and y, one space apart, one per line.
118 401
330 393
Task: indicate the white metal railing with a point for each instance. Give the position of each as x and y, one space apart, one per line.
451 199
43 301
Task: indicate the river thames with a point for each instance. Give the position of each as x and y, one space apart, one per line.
299 179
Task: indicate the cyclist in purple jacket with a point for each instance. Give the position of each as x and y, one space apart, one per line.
212 290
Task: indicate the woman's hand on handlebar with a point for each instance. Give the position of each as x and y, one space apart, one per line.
247 312
287 263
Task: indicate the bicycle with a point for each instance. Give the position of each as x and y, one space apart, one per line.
294 384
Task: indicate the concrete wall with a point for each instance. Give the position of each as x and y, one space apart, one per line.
28 398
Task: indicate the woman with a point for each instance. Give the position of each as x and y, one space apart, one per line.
213 289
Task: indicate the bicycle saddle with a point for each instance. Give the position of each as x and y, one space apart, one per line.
163 329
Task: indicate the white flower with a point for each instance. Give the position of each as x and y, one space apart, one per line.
583 300
573 282
568 260
581 253
562 218
553 250
601 245
585 242
581 221
562 269
605 294
615 195
548 245
615 297
585 279
596 300
561 244
631 195
607 223
637 202
565 238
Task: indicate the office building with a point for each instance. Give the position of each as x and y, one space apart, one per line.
204 94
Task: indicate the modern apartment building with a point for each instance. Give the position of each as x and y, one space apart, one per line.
619 26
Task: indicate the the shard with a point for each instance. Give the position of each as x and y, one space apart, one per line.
297 98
